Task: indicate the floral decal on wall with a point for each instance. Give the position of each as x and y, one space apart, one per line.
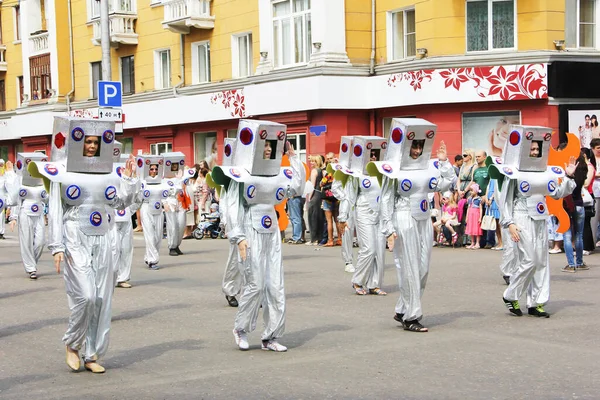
510 82
232 101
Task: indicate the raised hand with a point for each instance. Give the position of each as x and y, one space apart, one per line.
130 167
290 149
442 154
571 167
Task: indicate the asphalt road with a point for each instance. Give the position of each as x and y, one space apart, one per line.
171 334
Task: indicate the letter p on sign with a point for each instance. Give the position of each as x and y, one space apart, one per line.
110 94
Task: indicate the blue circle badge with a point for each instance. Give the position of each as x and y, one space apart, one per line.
146 193
96 218
366 183
288 173
507 171
118 171
35 208
157 205
234 172
251 191
44 194
1 204
524 186
165 193
73 192
424 206
170 183
110 193
557 170
406 185
51 170
433 182
387 168
23 192
280 194
436 164
541 208
168 163
121 213
266 222
551 186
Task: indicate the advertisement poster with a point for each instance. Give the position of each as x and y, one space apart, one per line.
584 123
488 130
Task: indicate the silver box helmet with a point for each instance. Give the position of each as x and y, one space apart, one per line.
260 146
72 136
407 134
366 149
527 148
117 151
228 151
23 160
174 163
345 151
144 163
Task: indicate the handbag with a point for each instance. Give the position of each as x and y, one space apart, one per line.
588 200
326 185
488 222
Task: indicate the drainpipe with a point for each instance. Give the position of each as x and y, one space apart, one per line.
68 95
181 65
372 61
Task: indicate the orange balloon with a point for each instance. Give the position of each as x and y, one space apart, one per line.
561 158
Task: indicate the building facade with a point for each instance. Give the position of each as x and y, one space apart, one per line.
326 68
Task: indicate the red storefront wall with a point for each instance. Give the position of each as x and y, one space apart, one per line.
448 118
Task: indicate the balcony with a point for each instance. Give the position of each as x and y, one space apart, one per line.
122 30
38 44
181 15
3 63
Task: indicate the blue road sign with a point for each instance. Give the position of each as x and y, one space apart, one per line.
110 94
318 130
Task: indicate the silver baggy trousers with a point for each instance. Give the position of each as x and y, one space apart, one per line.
89 280
152 225
263 285
125 250
175 228
32 239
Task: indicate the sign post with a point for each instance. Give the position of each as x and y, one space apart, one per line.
110 101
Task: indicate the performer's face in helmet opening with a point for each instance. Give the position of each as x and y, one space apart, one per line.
153 170
174 167
416 149
535 151
269 150
375 153
91 146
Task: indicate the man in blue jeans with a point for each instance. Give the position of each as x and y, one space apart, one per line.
296 208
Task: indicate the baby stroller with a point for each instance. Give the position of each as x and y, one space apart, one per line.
209 226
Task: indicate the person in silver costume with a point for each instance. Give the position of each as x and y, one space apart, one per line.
407 178
28 199
526 221
82 197
174 207
253 188
362 195
348 231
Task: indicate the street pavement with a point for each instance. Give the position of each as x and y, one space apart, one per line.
171 334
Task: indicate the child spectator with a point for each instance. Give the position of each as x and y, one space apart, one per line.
211 218
474 216
449 218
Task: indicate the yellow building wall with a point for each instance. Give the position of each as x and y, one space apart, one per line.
441 28
231 17
13 55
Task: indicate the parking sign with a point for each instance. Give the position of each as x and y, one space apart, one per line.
110 94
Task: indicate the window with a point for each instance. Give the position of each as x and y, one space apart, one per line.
157 149
21 87
205 147
298 140
490 25
2 96
127 143
17 22
291 32
114 6
96 75
4 152
200 62
128 75
162 69
586 32
402 39
40 81
232 133
241 57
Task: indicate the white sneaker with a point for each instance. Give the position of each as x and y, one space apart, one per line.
273 345
241 339
350 268
586 253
